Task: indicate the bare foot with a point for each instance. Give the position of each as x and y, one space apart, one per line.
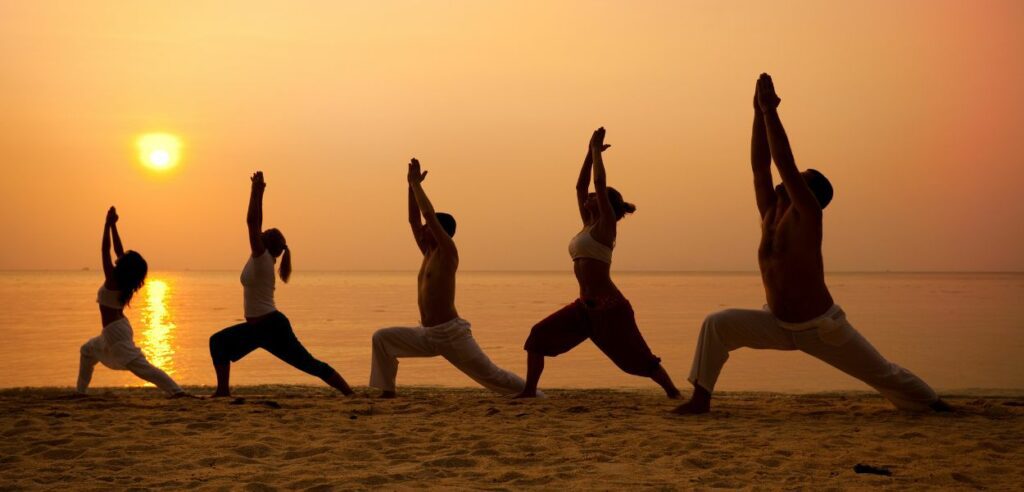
700 402
941 406
221 394
674 395
183 394
387 394
693 407
526 394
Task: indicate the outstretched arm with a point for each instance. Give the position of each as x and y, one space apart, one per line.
254 218
583 182
112 220
799 193
761 162
606 222
108 265
426 208
414 221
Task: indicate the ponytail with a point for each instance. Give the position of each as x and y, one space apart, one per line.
286 265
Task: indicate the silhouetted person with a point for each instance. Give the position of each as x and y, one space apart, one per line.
601 313
115 347
441 331
265 327
800 314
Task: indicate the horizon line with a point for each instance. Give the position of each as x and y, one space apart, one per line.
218 270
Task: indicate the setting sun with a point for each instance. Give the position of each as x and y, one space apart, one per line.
159 151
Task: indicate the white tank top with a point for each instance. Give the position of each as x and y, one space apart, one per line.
109 298
258 285
583 245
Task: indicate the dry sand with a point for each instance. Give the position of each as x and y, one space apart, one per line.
306 438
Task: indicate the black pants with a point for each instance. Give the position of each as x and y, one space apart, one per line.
273 334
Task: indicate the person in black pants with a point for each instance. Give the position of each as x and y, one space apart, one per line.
265 327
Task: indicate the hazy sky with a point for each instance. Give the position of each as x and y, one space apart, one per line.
915 110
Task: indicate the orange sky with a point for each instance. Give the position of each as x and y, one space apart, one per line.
913 109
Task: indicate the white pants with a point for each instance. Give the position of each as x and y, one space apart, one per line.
452 340
830 337
116 350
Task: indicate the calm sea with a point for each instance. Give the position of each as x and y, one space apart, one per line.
957 331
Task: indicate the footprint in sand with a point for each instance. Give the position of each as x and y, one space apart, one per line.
304 453
911 435
451 462
63 454
962 478
254 450
259 487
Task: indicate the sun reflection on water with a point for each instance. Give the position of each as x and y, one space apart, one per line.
158 337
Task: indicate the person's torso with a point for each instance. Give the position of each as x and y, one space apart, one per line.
258 285
792 267
592 265
111 307
436 288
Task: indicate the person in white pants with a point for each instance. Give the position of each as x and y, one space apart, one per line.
829 337
452 340
800 314
115 346
442 332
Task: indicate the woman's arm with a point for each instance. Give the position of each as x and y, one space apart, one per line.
583 185
583 182
600 177
112 220
254 218
108 265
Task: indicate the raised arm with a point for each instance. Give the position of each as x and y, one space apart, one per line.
583 185
604 205
426 208
254 218
799 193
414 221
112 219
583 182
761 162
108 265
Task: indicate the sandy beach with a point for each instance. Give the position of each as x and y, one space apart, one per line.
306 438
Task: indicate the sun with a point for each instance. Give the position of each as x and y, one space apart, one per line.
159 151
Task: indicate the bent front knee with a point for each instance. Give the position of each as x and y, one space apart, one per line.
379 338
218 349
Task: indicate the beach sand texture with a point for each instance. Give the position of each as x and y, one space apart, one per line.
307 438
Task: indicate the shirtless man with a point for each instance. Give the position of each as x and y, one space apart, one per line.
800 314
441 332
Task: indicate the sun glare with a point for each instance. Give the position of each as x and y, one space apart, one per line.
159 151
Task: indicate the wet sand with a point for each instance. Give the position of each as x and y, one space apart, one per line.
307 438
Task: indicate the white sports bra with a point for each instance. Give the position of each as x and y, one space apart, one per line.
583 245
109 298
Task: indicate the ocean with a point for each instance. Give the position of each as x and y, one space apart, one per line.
956 330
